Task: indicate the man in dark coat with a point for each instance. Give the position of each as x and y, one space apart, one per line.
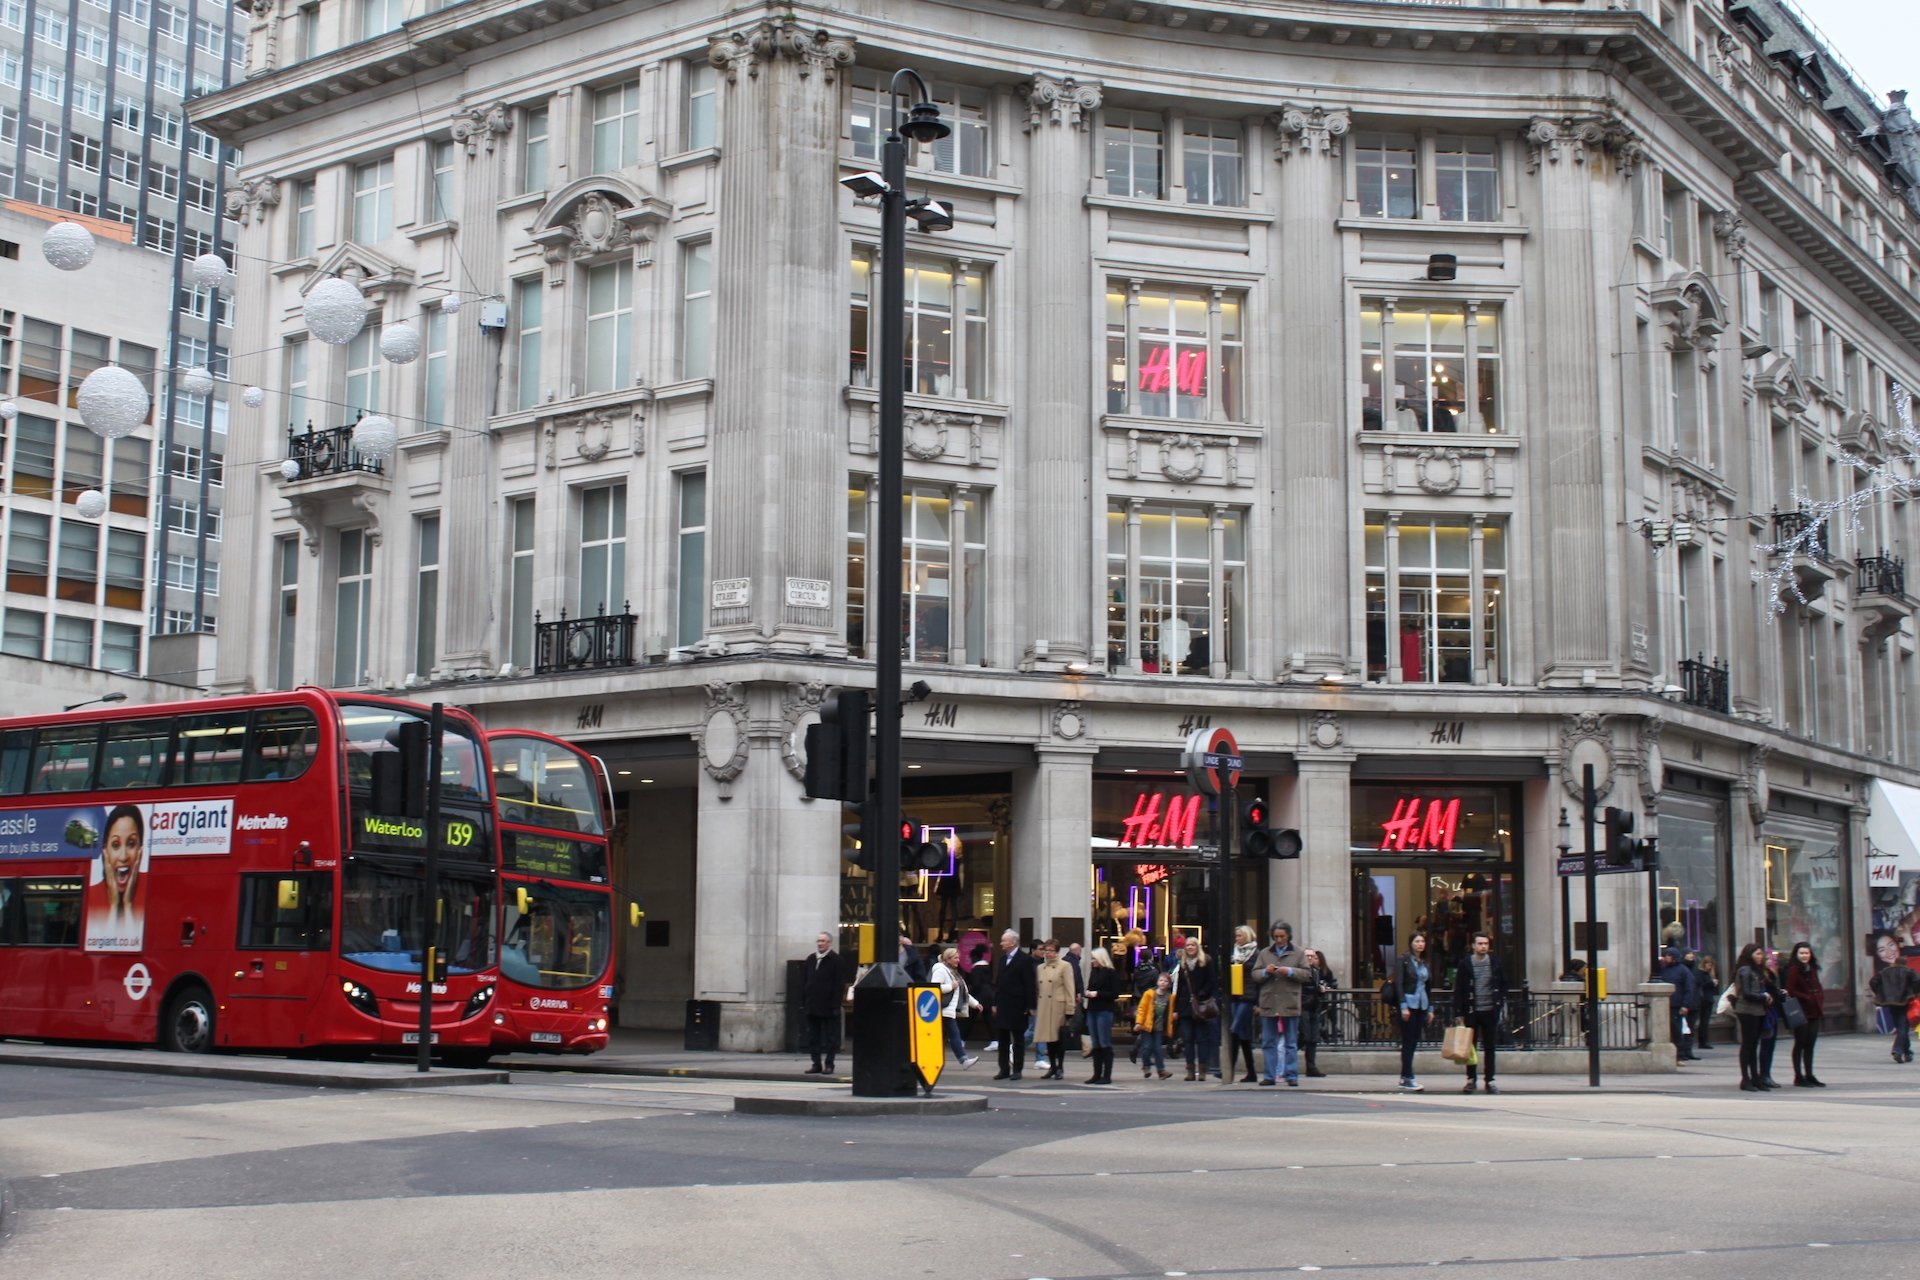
1479 1000
1016 994
1684 1005
822 987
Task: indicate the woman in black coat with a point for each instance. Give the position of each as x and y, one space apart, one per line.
1195 981
1316 998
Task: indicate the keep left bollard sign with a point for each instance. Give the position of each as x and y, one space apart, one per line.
926 1041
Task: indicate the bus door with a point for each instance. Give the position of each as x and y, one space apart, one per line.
283 957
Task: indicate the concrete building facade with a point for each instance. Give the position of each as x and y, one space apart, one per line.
1417 391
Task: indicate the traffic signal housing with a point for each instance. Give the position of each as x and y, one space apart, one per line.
916 855
1259 841
1620 846
856 844
837 748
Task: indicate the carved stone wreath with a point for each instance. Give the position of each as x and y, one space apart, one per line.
797 702
925 433
1438 470
594 420
722 735
1183 458
1327 731
1585 738
597 227
1069 721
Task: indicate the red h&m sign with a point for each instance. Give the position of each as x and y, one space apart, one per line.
1421 826
1149 827
1187 371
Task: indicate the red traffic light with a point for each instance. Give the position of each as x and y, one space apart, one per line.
1256 814
906 829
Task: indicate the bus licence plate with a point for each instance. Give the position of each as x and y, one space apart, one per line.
546 1037
413 1037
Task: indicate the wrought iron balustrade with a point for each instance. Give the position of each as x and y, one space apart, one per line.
1705 683
584 644
328 453
1881 575
1788 526
1533 1020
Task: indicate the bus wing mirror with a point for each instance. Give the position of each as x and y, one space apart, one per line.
289 895
635 915
522 900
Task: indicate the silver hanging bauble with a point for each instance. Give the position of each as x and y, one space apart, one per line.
91 504
335 311
67 245
451 304
253 397
210 271
8 409
195 380
290 469
400 343
112 402
375 437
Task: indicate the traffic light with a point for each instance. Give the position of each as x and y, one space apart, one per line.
1258 841
837 748
1620 845
917 855
855 847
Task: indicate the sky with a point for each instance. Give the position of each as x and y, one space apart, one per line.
1880 39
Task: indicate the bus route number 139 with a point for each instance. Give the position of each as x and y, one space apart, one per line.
459 835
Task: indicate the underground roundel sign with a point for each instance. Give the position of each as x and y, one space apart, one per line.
1212 760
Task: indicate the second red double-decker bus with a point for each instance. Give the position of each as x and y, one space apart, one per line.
220 874
556 894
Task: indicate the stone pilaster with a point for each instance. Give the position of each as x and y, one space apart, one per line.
1052 835
775 490
1307 440
471 633
1316 892
1055 249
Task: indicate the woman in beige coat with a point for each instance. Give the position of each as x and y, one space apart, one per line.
1057 1001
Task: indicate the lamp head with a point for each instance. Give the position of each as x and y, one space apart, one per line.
931 215
868 186
924 123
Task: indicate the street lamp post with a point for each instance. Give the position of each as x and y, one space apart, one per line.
115 696
880 1064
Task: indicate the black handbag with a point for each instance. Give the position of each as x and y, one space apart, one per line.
1792 1014
1206 1009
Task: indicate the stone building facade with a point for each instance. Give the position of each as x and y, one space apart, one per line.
1417 392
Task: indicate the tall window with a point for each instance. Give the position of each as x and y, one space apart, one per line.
119 646
126 567
533 150
435 366
520 576
29 552
1466 174
1136 154
528 302
426 596
1387 180
299 413
943 556
373 201
1435 599
363 370
702 99
691 583
130 472
609 326
380 16
696 309
440 181
25 634
352 607
1173 352
77 575
286 563
616 126
1176 589
33 453
1212 154
73 640
943 358
603 550
965 111
1445 366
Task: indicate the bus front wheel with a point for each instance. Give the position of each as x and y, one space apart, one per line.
188 1027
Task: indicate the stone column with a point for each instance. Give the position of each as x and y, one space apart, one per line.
767 873
1307 438
1579 164
473 531
1056 249
1053 830
1316 893
780 283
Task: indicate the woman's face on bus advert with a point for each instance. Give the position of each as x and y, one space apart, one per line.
120 860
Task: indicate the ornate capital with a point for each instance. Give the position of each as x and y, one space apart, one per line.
247 197
722 735
1553 138
1304 130
771 38
1061 102
798 702
1586 739
474 127
1730 229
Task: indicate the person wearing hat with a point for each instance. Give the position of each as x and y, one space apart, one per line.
1280 973
1683 1006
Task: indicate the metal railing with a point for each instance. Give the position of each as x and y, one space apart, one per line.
1705 683
1881 575
584 644
1357 1019
1790 525
328 453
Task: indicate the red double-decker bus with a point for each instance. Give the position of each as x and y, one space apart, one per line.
556 895
216 874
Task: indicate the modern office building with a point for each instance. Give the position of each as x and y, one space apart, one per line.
93 123
1415 390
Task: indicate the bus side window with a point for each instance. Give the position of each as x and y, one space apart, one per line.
16 753
135 754
209 748
64 757
282 744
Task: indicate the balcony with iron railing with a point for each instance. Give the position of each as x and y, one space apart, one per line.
1704 684
1880 601
329 452
598 643
1801 536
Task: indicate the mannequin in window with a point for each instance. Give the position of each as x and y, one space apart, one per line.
1412 650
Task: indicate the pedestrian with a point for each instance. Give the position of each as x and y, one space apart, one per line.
1682 1005
1802 982
1705 995
1240 1019
1710 988
1280 974
1196 1004
1152 1017
1075 958
1103 989
913 962
1480 999
1415 1003
955 1001
1146 975
1893 985
1751 996
1316 998
823 986
1770 1022
1013 1000
1054 1006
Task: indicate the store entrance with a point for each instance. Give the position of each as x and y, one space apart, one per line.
1391 901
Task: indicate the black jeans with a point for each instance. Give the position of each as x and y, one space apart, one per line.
1749 1044
1486 1033
1803 1038
1411 1026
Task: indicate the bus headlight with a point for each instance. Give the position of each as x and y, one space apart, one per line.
478 1001
598 1024
360 998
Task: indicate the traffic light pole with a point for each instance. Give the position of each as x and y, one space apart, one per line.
1223 918
1587 802
430 907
